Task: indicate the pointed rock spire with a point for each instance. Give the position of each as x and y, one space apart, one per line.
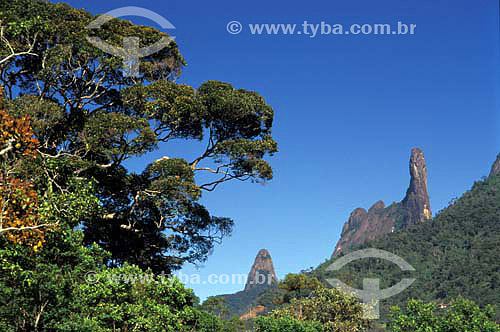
416 202
262 271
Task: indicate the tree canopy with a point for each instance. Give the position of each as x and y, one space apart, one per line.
88 119
461 316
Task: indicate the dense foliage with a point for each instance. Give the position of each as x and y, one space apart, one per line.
20 220
67 287
324 309
89 119
312 307
461 316
293 286
285 324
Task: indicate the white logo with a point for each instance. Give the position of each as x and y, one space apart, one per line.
131 52
371 293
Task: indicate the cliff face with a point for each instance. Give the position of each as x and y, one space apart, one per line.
415 207
495 169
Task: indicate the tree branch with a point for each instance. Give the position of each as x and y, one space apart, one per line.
15 54
24 228
8 148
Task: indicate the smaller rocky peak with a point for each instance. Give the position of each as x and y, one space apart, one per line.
495 169
354 219
358 212
377 206
262 272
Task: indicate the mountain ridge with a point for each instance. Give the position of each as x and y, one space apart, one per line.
454 255
379 220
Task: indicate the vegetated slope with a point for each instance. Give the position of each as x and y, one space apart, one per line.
244 301
456 254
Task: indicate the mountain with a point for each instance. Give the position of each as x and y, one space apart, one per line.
379 220
262 277
455 254
262 271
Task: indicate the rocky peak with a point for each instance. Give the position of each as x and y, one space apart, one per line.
261 278
377 206
495 169
379 220
416 202
262 271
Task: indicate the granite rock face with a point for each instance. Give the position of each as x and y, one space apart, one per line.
379 220
416 202
495 169
262 271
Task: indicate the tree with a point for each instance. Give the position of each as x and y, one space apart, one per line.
334 310
293 286
29 207
134 300
297 286
461 316
67 287
20 220
89 119
217 306
69 122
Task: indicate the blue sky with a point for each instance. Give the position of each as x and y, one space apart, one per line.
348 111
